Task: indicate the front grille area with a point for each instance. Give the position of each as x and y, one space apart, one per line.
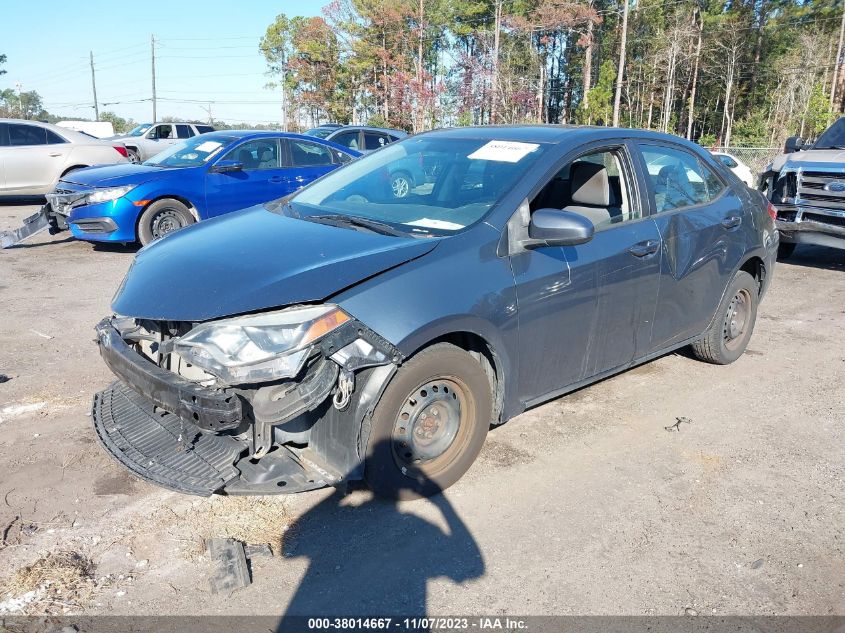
825 219
786 216
822 189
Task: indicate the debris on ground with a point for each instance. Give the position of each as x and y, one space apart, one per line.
252 551
677 425
4 378
55 583
232 571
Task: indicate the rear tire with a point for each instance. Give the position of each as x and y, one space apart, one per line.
786 249
161 218
728 336
429 425
401 184
133 156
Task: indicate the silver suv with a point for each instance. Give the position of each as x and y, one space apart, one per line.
148 139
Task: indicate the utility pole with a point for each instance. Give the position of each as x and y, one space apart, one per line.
94 88
208 109
617 98
153 51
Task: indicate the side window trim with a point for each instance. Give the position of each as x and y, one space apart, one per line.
650 185
4 134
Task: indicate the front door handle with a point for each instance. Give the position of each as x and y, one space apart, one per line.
644 249
732 222
55 154
277 179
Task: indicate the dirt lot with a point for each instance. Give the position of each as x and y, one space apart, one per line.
586 505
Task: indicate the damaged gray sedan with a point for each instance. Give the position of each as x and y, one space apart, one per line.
343 333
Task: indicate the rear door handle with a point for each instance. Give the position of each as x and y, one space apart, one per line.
732 222
55 154
644 249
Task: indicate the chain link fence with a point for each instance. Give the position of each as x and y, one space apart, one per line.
757 158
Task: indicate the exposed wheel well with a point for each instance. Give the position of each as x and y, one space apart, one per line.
755 267
185 201
485 354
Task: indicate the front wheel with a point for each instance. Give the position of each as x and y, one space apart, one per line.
429 425
728 336
162 217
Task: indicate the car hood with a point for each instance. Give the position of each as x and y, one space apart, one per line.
821 159
254 260
115 175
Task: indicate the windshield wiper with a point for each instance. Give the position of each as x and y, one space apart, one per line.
339 219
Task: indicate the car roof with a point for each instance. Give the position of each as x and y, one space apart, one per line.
67 133
552 133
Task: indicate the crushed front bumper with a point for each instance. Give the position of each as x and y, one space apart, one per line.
811 225
202 440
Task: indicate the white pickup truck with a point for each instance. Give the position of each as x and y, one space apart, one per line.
148 139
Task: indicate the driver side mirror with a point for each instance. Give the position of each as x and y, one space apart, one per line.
553 227
225 166
793 144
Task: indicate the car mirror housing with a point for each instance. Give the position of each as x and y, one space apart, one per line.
553 227
793 144
224 166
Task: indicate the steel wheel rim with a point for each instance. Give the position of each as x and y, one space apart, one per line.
401 187
166 221
134 158
431 426
737 319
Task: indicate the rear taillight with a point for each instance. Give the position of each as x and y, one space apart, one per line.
770 209
121 150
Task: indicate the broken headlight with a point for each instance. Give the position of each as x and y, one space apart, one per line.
259 347
107 194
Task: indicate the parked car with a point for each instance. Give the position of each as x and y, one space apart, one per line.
148 139
365 139
34 155
806 185
199 178
341 333
322 131
742 171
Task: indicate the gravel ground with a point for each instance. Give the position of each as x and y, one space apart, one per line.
585 505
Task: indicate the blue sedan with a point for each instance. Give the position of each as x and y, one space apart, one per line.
203 177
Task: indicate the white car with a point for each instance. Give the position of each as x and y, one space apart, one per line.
148 139
34 155
742 171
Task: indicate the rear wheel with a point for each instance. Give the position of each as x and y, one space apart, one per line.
786 249
133 155
401 184
728 336
429 425
162 217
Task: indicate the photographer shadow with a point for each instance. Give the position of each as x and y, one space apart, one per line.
373 559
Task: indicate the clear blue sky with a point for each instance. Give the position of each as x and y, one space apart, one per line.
207 50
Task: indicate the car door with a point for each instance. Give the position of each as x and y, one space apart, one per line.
306 161
702 223
35 158
260 177
586 309
157 139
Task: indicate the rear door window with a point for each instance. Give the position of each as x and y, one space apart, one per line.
55 139
184 131
678 178
308 154
21 134
375 140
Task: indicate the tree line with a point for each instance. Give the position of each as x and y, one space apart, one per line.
741 72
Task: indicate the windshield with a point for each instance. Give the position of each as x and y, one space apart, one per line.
138 130
833 137
193 152
422 185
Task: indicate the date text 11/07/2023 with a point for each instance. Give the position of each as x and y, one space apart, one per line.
480 623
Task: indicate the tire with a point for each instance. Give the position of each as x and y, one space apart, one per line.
728 336
786 249
401 184
409 458
162 217
133 156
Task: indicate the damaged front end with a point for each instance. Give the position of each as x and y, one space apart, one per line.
267 403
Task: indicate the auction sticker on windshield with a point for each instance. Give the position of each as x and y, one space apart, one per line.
503 151
207 146
435 224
